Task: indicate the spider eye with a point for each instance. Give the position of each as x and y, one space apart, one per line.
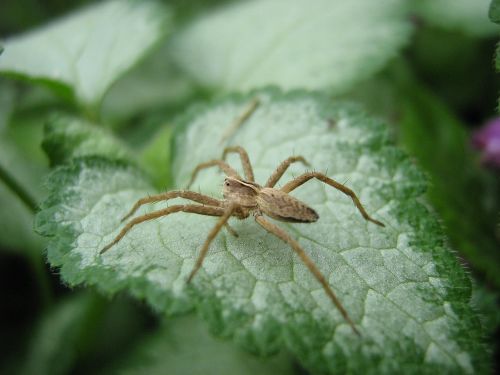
226 183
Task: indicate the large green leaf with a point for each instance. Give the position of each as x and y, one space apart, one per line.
85 52
401 284
294 44
439 141
152 84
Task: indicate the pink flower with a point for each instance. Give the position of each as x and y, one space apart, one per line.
487 140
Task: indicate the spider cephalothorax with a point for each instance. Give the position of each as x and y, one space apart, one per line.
243 198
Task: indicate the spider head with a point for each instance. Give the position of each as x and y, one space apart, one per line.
241 192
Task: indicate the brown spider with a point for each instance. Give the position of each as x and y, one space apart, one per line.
244 197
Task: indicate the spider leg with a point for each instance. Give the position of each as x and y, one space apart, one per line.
191 195
213 233
281 234
226 168
245 161
189 208
274 178
238 121
302 179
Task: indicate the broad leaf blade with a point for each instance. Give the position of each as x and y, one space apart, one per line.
293 44
87 51
400 284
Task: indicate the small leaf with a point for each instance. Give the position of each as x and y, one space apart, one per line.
494 11
295 44
184 347
401 284
85 52
467 16
68 137
155 157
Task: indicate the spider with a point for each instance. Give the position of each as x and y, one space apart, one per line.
243 198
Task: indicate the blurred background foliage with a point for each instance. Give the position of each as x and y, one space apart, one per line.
439 90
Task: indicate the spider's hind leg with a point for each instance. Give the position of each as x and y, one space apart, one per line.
302 179
281 234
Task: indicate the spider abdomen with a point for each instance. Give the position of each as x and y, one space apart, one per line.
284 207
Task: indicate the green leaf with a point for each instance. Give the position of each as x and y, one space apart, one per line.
55 341
68 337
184 347
68 137
294 44
494 11
401 284
20 178
155 157
154 83
439 141
470 17
85 52
430 132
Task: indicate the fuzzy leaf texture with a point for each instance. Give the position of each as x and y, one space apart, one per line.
401 284
84 53
293 44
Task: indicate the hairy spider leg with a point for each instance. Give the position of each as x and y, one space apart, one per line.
189 208
238 121
281 234
213 233
276 175
245 161
226 168
302 179
191 195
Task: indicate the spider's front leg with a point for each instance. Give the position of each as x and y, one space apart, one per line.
213 233
186 194
226 168
245 161
302 179
276 175
188 208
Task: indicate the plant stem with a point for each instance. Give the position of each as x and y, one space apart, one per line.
35 258
17 189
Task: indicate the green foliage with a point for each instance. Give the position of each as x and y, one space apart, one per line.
184 347
83 54
470 17
293 44
253 288
494 11
69 137
112 89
